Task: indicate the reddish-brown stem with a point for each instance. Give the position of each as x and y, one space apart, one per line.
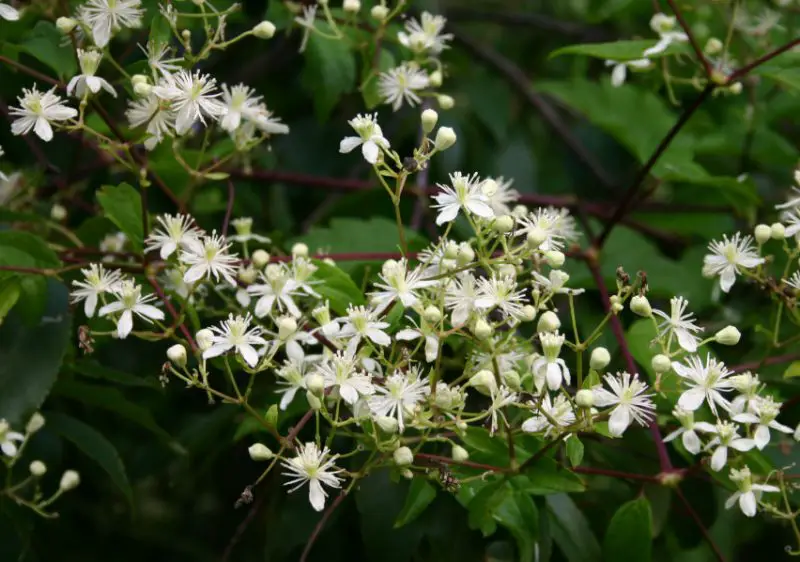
321 524
740 73
468 464
777 360
31 72
699 522
292 435
174 313
692 41
614 473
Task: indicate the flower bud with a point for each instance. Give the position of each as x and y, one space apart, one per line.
435 79
599 359
617 307
728 336
313 402
466 254
548 322
528 313
286 327
260 452
432 314
481 329
205 339
139 79
260 259
315 384
641 306
484 382
35 423
507 270
735 88
459 453
554 258
379 12
450 250
429 119
445 138
142 89
387 424
351 6
511 380
66 25
503 224
403 456
762 233
69 481
584 398
713 46
445 102
662 23
177 354
778 231
265 29
797 433
536 236
247 275
58 213
660 363
489 187
37 468
300 250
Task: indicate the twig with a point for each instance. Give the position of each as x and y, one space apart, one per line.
229 208
613 473
777 360
696 518
740 73
504 17
31 72
692 41
174 313
240 530
290 437
321 523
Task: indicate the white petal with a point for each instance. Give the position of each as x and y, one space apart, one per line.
727 279
150 311
761 436
747 503
195 273
216 350
89 305
619 421
379 337
8 13
407 335
692 399
370 151
348 393
618 75
125 324
348 144
316 495
686 340
248 353
691 441
8 448
43 129
743 444
731 501
719 458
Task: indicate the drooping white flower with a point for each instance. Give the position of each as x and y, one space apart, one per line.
706 383
726 437
679 324
399 395
501 293
86 80
97 281
688 430
172 233
291 378
306 21
748 493
362 322
370 138
194 96
501 398
8 13
461 296
425 35
158 58
303 270
9 439
503 196
316 467
278 288
665 27
105 17
155 114
729 257
554 283
241 102
342 373
208 257
629 401
766 410
619 72
397 282
129 302
549 368
401 84
37 110
244 231
559 410
235 333
463 193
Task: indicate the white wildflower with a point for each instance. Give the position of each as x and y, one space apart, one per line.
465 194
748 493
37 110
129 302
680 324
208 257
729 258
316 467
194 96
706 383
370 138
629 401
173 232
235 333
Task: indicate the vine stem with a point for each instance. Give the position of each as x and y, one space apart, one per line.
699 522
321 524
692 40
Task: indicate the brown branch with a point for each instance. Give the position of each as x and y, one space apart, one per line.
31 72
321 524
742 72
516 19
692 41
699 522
777 360
174 313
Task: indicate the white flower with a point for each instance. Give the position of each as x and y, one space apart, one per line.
278 288
154 113
306 21
425 331
549 368
665 27
501 398
688 430
560 410
8 438
37 110
766 410
546 225
425 35
620 71
113 244
465 194
504 195
706 383
292 377
129 302
794 281
399 283
461 296
173 233
362 322
193 96
244 231
748 493
235 333
727 437
97 281
302 271
107 16
208 257
241 103
341 371
315 467
8 13
3 177
370 138
629 401
89 61
501 293
554 283
290 336
156 54
678 324
401 84
399 395
729 257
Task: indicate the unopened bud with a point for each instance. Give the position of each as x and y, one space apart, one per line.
641 306
265 29
388 424
507 270
728 336
142 89
260 259
554 258
584 398
432 314
528 313
177 354
511 380
445 102
379 12
37 468
778 231
481 329
315 384
205 339
503 224
69 480
139 79
260 452
300 250
599 359
536 235
351 6
762 233
247 275
484 382
403 456
466 254
58 213
429 119
548 322
617 307
489 187
435 79
459 453
661 363
286 327
313 401
66 25
713 46
186 35
445 138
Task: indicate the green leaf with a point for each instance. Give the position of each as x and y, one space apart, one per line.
94 445
792 371
30 356
629 535
369 88
486 448
329 72
420 495
482 505
160 31
574 450
93 370
15 243
571 531
337 287
618 50
9 294
518 514
122 205
547 477
44 43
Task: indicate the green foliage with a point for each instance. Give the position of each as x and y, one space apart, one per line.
618 50
629 534
44 43
329 72
420 495
338 287
122 205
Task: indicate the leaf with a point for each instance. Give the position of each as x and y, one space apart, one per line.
30 356
329 71
420 495
571 531
574 450
94 445
160 31
14 243
629 535
369 88
337 287
123 206
618 50
486 448
792 371
94 370
44 44
547 477
518 514
482 505
9 294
